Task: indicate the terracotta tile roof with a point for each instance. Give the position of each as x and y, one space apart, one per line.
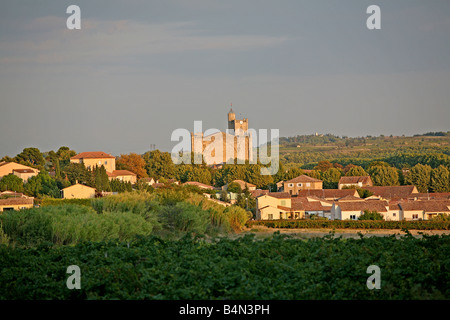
426 205
24 170
279 195
392 192
303 178
123 173
425 196
257 193
92 155
305 204
198 184
284 208
16 201
374 205
354 179
329 193
243 183
349 198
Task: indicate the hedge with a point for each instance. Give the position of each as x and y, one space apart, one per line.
55 202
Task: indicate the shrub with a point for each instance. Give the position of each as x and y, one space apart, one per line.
184 217
237 217
370 215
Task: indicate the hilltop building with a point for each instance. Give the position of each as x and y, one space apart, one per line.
220 147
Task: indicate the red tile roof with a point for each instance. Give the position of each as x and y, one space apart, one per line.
350 198
392 192
426 205
117 173
279 195
198 184
24 170
16 201
257 193
92 155
329 193
436 195
303 178
355 179
242 183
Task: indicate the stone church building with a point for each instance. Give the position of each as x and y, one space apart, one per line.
224 147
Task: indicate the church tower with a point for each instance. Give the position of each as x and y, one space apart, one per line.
235 124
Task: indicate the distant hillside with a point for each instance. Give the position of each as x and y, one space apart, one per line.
307 150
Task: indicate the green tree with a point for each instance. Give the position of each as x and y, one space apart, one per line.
31 156
42 185
323 166
77 172
11 182
384 175
440 179
420 176
331 178
193 172
234 187
101 180
370 215
314 174
356 171
159 164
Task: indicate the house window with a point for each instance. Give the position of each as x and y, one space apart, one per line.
99 162
290 184
394 214
270 216
415 216
308 184
353 217
106 162
283 202
299 184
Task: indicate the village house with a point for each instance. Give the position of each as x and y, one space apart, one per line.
10 200
273 206
78 191
95 158
352 210
123 175
423 209
303 182
312 206
355 181
20 170
99 158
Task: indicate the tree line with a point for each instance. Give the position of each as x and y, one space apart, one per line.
429 172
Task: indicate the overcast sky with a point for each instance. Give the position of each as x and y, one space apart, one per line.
137 70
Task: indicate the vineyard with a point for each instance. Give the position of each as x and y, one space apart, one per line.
277 268
175 245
